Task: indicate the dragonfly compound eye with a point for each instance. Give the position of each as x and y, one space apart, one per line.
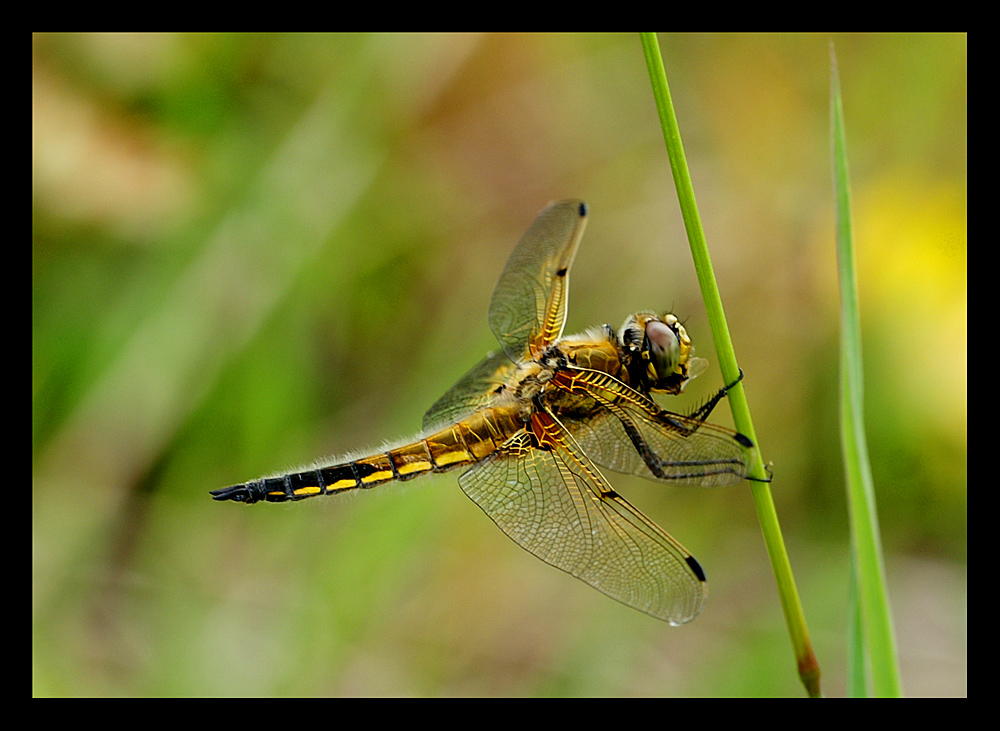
664 348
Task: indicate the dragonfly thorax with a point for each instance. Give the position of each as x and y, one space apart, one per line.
527 385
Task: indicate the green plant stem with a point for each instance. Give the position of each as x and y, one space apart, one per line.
808 667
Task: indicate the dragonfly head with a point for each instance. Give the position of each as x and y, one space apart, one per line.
662 355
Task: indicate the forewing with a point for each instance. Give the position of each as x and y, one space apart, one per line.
555 504
528 308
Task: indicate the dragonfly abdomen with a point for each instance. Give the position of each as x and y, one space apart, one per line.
458 445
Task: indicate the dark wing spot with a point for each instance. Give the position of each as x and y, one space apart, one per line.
696 567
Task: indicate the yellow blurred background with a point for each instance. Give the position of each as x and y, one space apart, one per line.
253 251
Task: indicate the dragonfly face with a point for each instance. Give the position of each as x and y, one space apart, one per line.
532 422
663 346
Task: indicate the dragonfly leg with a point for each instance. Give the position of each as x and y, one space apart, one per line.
768 470
703 411
731 385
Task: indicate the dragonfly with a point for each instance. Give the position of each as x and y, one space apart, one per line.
534 422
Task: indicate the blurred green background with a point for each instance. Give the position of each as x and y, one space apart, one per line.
252 251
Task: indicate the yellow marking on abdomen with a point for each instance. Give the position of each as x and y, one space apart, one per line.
377 477
413 467
454 456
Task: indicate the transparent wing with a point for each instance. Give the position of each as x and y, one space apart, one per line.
473 391
528 308
555 504
628 432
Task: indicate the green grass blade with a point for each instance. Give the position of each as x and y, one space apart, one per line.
808 668
857 670
874 645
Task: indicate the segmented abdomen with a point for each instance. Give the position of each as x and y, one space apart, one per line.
463 443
